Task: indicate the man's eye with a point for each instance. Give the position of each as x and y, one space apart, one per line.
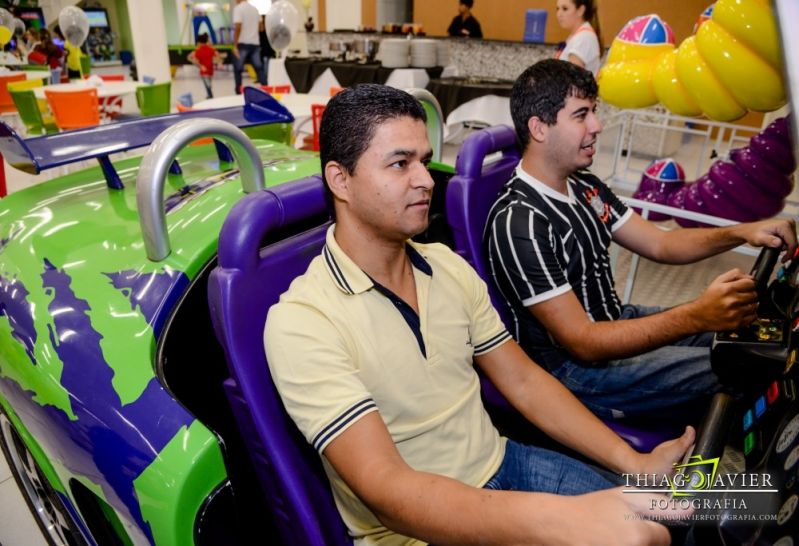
400 164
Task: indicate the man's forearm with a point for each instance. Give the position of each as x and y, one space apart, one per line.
607 340
557 412
683 246
443 511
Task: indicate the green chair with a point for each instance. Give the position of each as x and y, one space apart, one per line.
28 108
85 66
154 99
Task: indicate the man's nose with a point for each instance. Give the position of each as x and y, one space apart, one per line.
594 125
422 177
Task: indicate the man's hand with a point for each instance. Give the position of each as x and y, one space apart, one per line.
622 519
236 52
729 303
772 233
661 460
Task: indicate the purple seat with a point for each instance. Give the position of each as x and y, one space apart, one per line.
250 278
470 194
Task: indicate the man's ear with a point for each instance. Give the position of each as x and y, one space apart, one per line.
537 128
337 179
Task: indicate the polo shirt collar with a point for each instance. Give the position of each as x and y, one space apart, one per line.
348 276
542 188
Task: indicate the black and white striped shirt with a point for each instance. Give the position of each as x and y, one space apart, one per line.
542 244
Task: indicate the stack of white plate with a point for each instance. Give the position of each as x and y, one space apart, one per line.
423 53
442 52
394 52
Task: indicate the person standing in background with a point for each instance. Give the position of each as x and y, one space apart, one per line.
464 24
583 46
246 45
74 55
204 58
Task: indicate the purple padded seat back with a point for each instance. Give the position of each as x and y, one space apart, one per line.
470 194
247 281
472 191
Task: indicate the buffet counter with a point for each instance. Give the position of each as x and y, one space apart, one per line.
471 57
304 72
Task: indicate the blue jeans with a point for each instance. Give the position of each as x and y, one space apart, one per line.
248 53
209 93
675 381
532 469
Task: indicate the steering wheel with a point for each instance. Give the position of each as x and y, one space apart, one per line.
763 267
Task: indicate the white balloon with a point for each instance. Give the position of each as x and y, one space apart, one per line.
74 25
281 23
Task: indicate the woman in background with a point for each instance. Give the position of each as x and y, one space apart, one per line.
583 46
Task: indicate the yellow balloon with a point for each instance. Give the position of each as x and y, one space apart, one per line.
670 92
703 86
5 35
627 84
621 50
752 22
750 79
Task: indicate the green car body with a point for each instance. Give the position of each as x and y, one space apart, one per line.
82 313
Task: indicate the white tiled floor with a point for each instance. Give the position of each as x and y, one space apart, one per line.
17 526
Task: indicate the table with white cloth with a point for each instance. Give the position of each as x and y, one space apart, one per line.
299 104
317 75
29 74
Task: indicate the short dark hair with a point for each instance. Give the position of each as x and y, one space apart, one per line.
541 91
202 38
467 3
352 117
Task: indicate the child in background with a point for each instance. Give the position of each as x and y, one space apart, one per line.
74 54
204 57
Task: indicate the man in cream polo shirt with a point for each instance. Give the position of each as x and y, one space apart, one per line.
372 351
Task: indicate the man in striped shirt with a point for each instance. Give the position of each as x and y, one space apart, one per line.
372 352
547 241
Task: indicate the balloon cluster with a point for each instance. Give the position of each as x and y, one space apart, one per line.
751 185
74 24
730 65
281 23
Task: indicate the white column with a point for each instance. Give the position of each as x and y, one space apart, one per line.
149 39
185 35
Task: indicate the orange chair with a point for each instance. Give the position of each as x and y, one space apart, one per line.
316 118
74 109
112 77
335 90
279 89
6 102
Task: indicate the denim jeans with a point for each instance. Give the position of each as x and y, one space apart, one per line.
209 94
532 469
671 382
248 53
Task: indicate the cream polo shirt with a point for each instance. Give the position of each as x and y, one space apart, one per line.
341 346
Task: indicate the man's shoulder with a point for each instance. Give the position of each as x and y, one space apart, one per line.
587 178
244 8
515 194
313 287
